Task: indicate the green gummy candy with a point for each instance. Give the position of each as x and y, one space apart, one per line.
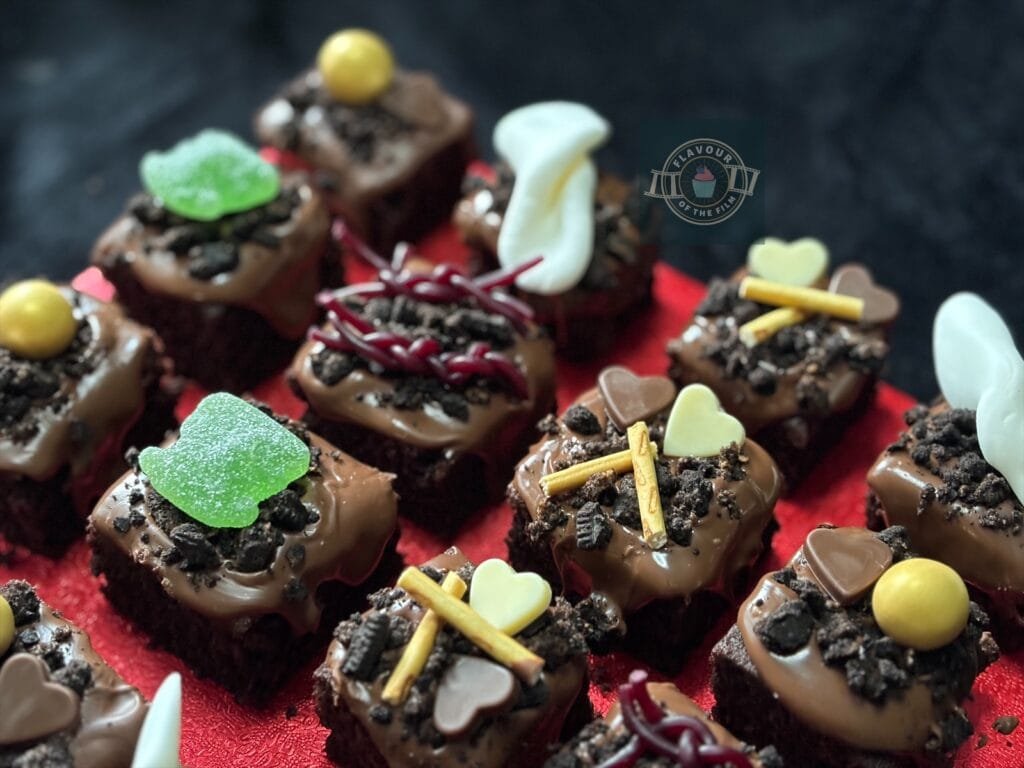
229 457
210 175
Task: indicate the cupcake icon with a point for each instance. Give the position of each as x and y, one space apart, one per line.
704 183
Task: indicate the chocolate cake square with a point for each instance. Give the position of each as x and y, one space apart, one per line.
246 605
797 390
809 665
718 514
434 377
463 707
585 320
658 713
67 419
391 168
956 507
62 704
231 297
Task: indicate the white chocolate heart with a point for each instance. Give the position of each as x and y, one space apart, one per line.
160 738
802 262
697 425
506 599
551 210
978 367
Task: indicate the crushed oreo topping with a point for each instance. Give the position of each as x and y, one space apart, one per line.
815 347
686 486
367 644
211 248
945 443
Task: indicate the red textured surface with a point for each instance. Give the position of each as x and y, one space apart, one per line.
218 733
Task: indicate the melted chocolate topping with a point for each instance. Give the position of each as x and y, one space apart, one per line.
833 668
333 524
716 511
267 259
108 713
357 668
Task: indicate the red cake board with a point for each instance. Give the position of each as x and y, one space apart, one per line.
218 733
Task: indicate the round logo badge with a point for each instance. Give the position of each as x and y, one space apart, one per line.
703 181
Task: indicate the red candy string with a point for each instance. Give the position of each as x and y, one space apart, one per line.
685 740
445 284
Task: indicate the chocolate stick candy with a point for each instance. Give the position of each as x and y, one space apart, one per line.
762 328
414 657
652 518
526 665
810 299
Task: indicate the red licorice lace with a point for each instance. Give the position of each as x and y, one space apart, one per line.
444 284
686 740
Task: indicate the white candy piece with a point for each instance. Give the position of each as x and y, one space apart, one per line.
551 210
979 367
160 739
800 262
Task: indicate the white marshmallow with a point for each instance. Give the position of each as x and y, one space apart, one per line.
160 738
551 210
979 367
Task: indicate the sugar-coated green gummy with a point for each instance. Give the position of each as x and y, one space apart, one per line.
209 175
229 457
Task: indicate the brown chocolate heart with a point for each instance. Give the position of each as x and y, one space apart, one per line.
630 398
847 561
32 707
470 689
880 305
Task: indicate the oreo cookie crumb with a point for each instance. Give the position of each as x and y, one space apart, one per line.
582 420
592 528
787 629
366 646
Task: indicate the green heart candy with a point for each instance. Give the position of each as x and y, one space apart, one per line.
229 457
210 175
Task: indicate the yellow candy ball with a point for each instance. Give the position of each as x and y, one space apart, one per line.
36 321
921 603
356 66
6 626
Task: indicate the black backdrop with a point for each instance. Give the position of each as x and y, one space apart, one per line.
893 132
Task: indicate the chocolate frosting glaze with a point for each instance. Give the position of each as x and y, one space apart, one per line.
990 558
627 570
98 409
355 400
357 509
501 737
279 283
842 382
820 696
432 119
111 712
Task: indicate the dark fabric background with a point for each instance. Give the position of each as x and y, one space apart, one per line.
893 132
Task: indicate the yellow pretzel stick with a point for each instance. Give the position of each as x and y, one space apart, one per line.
415 655
762 328
644 473
575 476
526 665
809 299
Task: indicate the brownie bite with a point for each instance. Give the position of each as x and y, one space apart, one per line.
390 162
584 320
717 512
67 417
797 390
658 713
809 665
231 295
434 377
62 705
462 706
957 508
244 604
